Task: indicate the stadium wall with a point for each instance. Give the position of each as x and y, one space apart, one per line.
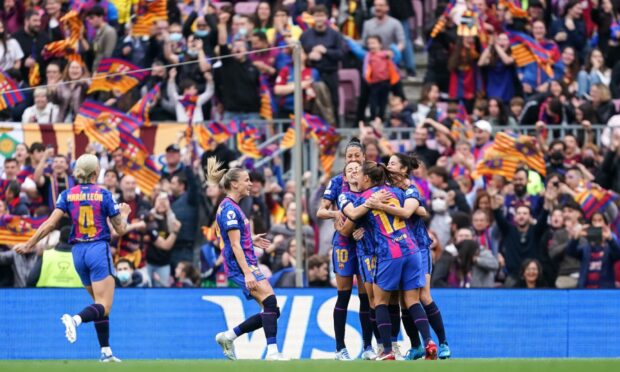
180 324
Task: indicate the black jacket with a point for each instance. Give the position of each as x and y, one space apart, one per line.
239 88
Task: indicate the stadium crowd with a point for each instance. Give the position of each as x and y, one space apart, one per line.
518 228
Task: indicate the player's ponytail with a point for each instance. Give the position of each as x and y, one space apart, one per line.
85 167
379 174
410 163
222 177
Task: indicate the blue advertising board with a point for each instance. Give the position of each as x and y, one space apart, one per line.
182 323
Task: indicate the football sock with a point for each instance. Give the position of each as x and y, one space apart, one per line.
106 350
395 320
435 320
91 313
250 324
269 316
365 319
385 327
102 327
340 317
418 315
373 323
411 329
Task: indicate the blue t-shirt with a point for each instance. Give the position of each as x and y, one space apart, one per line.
89 206
364 246
230 217
415 223
389 235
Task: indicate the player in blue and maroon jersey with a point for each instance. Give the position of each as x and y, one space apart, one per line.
240 262
398 264
413 211
89 208
344 258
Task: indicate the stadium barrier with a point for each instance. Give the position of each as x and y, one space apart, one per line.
181 324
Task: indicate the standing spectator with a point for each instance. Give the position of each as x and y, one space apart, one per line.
520 196
477 265
174 166
239 90
499 115
31 41
184 202
263 19
429 156
162 231
570 30
403 12
602 103
130 245
12 15
439 179
11 53
482 138
324 48
500 69
15 205
465 79
187 275
285 87
42 112
189 105
380 74
282 32
531 275
51 185
105 39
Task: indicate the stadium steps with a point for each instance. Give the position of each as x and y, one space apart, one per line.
413 87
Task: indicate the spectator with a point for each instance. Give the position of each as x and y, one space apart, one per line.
595 71
477 265
15 205
602 103
403 12
240 94
531 275
519 196
318 275
189 106
570 30
130 245
286 231
50 185
439 179
263 19
54 268
42 112
285 87
429 156
499 115
105 39
11 53
12 15
31 41
465 79
255 206
264 60
482 137
72 93
173 166
127 276
500 71
184 202
323 46
205 27
111 182
187 275
162 231
568 70
283 31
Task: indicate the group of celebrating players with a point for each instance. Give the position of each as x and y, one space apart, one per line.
380 238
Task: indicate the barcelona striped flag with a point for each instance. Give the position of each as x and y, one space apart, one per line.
288 141
246 141
34 75
268 105
147 13
138 161
278 213
461 129
103 124
526 50
595 199
219 131
70 44
142 108
10 96
495 163
205 140
522 147
118 74
18 229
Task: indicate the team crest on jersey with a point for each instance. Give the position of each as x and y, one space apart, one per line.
342 199
230 215
409 192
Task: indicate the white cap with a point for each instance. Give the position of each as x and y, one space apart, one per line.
484 126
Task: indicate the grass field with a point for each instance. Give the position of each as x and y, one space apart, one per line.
456 365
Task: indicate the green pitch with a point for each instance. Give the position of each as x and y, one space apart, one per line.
455 365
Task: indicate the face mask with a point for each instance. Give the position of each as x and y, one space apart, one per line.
124 276
201 33
438 205
243 31
192 53
175 37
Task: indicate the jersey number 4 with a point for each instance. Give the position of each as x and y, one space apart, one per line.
86 224
397 223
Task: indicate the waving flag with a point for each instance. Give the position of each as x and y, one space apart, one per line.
246 141
147 13
461 128
497 164
526 50
18 229
138 161
10 96
34 75
522 147
118 74
103 124
595 199
205 140
288 141
143 107
267 104
69 46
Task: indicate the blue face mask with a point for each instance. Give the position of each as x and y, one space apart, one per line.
175 37
192 53
201 33
124 276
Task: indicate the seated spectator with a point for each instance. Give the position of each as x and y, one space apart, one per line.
127 276
318 275
570 30
602 103
11 53
42 112
16 206
595 71
477 265
531 275
187 275
499 115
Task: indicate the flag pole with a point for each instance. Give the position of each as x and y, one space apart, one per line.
297 166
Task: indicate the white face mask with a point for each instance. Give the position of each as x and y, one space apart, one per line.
439 205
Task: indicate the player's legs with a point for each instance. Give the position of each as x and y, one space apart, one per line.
344 284
373 314
417 350
384 325
364 313
434 318
394 309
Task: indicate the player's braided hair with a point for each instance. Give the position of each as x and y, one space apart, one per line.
222 177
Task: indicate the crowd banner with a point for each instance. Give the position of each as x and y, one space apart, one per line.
182 323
